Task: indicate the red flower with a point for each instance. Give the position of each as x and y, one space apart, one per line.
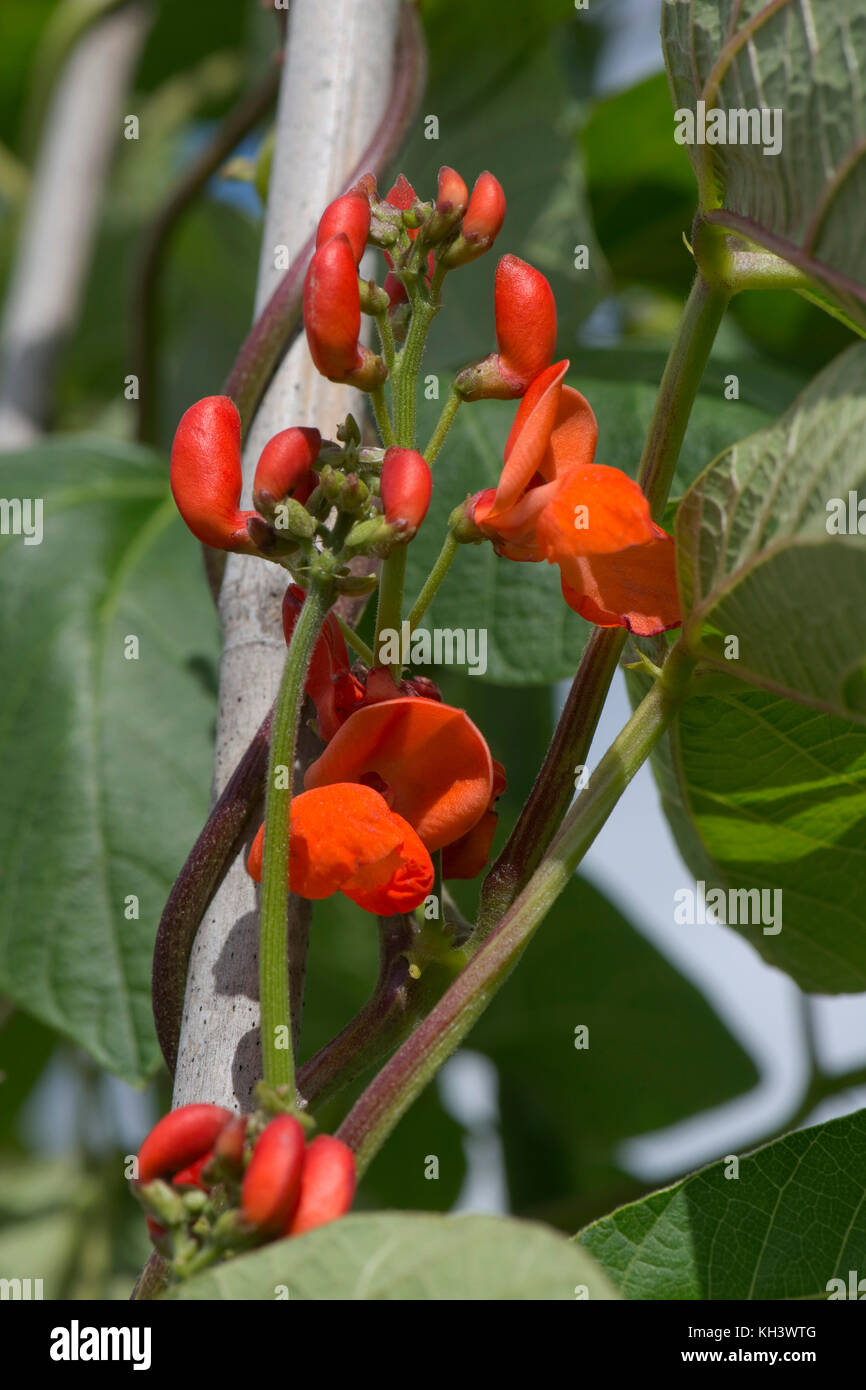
327 1184
332 317
405 488
452 194
349 214
553 503
179 1139
466 857
525 334
206 477
344 838
271 1185
428 759
525 321
285 468
482 222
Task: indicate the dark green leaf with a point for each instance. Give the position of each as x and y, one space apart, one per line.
788 1223
106 760
761 562
802 202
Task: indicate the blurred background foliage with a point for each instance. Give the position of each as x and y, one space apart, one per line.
515 88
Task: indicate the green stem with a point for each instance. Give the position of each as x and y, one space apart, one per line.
385 1100
433 580
386 338
690 351
390 610
383 419
278 1061
569 748
357 644
443 425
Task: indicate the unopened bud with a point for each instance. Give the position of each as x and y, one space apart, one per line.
374 299
293 519
485 214
462 525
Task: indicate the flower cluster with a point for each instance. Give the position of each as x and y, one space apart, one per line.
402 775
213 1183
404 788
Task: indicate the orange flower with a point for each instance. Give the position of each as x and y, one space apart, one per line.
344 838
554 503
427 759
466 857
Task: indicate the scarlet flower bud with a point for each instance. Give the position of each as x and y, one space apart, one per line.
332 318
327 1185
485 211
452 193
179 1138
485 214
269 1193
206 474
525 320
525 333
405 488
349 214
285 468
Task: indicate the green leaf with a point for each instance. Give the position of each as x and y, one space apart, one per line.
532 636
802 203
656 1054
757 560
791 1221
408 1258
106 761
783 809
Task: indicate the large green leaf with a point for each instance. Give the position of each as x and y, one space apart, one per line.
791 1220
657 1053
105 759
409 1258
805 60
532 636
759 560
784 809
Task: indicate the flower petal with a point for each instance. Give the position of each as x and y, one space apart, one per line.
344 838
530 434
573 437
596 510
431 756
634 588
